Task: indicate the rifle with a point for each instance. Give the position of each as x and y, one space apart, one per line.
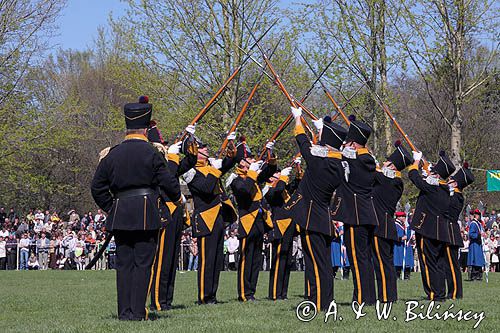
245 107
389 114
214 98
325 90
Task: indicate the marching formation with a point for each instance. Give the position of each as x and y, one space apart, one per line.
343 193
343 196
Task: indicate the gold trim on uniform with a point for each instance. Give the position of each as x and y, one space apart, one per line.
174 158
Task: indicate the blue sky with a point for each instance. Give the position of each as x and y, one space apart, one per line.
80 19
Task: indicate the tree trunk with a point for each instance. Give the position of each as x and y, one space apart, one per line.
373 78
382 63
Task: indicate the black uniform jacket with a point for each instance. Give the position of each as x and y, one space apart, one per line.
277 196
354 197
310 204
386 194
178 167
209 197
132 167
456 206
431 212
251 203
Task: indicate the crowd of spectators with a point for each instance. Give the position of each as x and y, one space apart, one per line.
41 240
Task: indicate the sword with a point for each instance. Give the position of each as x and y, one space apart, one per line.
100 252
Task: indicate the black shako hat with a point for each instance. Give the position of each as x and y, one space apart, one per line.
242 150
358 132
401 158
138 115
444 167
463 177
154 134
332 134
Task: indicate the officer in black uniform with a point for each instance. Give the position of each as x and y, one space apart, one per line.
254 213
310 204
430 222
167 254
386 194
277 193
127 185
460 180
357 209
212 212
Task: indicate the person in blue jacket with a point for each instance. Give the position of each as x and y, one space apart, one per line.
409 259
400 243
336 249
475 260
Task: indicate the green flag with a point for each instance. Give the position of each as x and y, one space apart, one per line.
493 180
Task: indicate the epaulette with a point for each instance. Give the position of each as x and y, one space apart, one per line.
161 148
103 153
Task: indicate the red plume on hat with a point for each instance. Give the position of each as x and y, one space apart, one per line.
397 143
466 165
144 99
352 117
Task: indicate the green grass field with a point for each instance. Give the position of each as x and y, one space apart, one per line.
75 301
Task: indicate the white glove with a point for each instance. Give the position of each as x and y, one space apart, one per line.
417 155
270 145
296 112
255 166
191 129
175 148
318 124
286 171
183 199
231 136
298 160
216 163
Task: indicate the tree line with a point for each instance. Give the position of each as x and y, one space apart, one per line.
434 63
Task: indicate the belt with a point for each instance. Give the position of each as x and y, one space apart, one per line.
136 192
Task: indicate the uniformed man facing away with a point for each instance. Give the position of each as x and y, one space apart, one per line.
460 180
310 204
357 209
255 217
212 211
277 193
167 254
386 194
430 222
475 259
127 185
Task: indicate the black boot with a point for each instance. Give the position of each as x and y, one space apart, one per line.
470 273
407 273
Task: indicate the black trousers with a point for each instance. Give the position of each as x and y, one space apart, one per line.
135 251
281 265
3 263
210 263
358 240
250 263
11 260
385 272
165 263
318 270
453 273
431 255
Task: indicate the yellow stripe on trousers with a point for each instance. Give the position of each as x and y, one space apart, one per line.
276 268
158 270
356 268
242 270
202 272
152 273
382 272
452 273
426 268
316 273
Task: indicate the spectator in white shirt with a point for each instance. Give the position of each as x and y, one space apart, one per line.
3 254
